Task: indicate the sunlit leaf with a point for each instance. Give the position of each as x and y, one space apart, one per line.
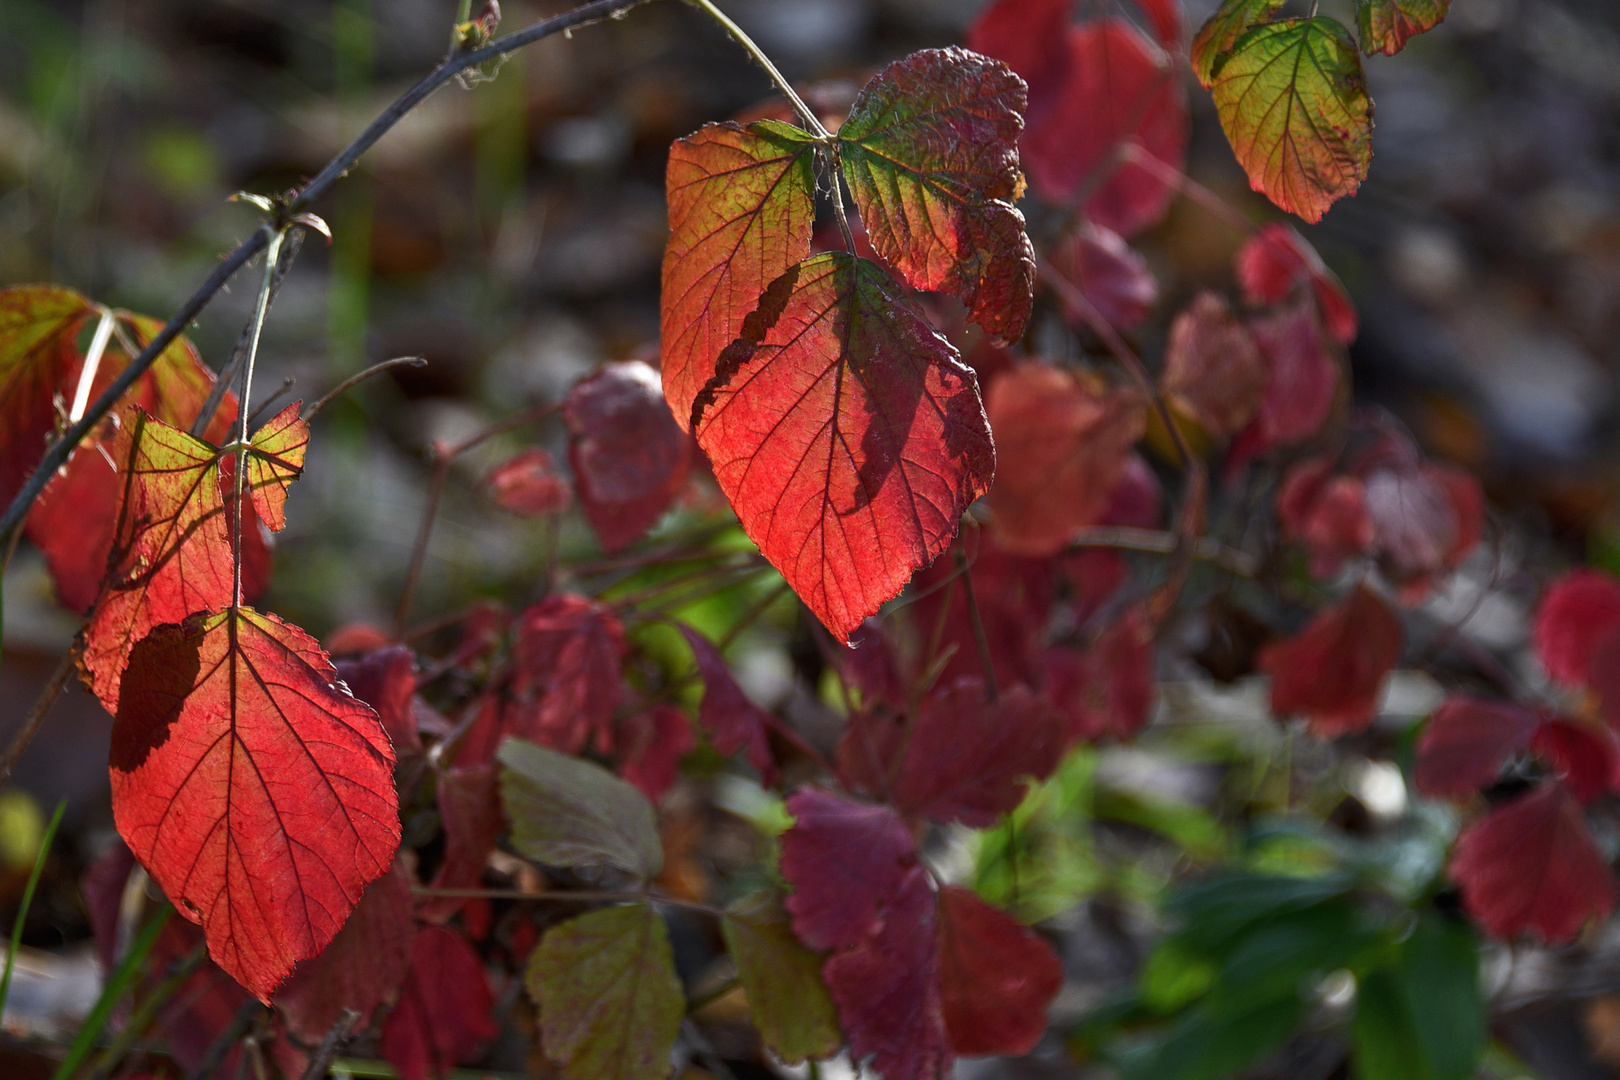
1213 43
39 360
1387 25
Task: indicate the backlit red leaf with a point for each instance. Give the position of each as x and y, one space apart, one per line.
741 210
470 810
445 1010
1108 690
258 796
361 969
886 986
1029 36
1275 258
1303 376
1426 518
385 679
1577 611
1582 754
732 721
843 859
39 360
276 461
1387 25
967 759
1105 269
996 977
652 744
527 484
1531 867
1465 744
1213 371
565 680
629 456
1334 670
1061 444
1294 105
847 434
930 153
1326 513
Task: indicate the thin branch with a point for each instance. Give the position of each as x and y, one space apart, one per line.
980 640
424 532
58 452
270 259
233 367
360 377
1156 542
564 896
1192 189
807 114
320 1062
36 715
264 406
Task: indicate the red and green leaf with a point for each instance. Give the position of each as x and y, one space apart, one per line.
847 434
1387 25
1212 45
39 361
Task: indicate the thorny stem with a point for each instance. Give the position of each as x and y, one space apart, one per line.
36 715
980 640
565 896
271 254
811 120
360 377
58 451
320 1062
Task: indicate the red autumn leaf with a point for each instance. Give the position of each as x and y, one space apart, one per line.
865 754
527 484
1031 37
1165 16
1425 519
1109 689
732 721
1274 259
385 679
352 639
445 1010
1213 371
1062 441
258 796
39 361
652 743
1102 266
996 977
1326 513
930 154
1465 743
966 759
847 434
1387 25
361 969
1583 755
630 458
1303 376
470 810
565 680
1577 611
203 1007
886 986
1116 87
741 210
842 859
1334 669
1531 866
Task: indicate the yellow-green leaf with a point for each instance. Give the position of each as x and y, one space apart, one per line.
1386 25
1294 105
781 979
1233 19
610 1004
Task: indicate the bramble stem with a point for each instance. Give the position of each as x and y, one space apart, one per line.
811 120
424 532
320 1062
36 715
271 254
360 377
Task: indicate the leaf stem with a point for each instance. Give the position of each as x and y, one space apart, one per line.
424 532
36 716
271 255
811 120
320 1062
360 377
980 640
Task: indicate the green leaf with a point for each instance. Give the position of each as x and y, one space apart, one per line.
610 1003
782 980
1041 861
930 153
1387 25
569 812
1294 105
1217 913
1423 1019
1233 19
1208 1045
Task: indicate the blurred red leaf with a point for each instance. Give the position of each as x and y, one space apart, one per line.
872 666
363 966
732 721
930 154
1334 669
1576 611
1108 689
103 887
1275 258
258 796
445 1010
1465 743
843 859
1165 15
1583 755
1117 281
1326 513
886 986
527 484
741 210
385 679
848 436
205 1004
470 810
1303 376
565 679
652 743
996 976
1531 866
1031 37
967 759
1061 448
1015 597
630 457
1213 371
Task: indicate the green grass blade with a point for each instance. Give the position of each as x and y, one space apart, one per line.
118 985
27 899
